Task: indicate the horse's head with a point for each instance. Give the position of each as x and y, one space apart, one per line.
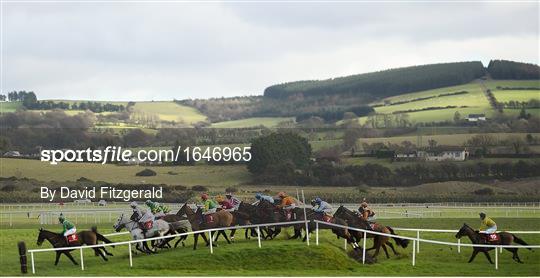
463 230
41 236
120 223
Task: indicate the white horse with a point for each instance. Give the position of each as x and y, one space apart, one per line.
159 228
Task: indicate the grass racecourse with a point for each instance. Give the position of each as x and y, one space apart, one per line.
283 257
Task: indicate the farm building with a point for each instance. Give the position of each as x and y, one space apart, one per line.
445 153
476 118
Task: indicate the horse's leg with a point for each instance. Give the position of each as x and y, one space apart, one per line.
392 247
475 251
100 253
377 248
246 231
70 257
383 245
231 235
195 241
488 256
105 250
58 253
225 236
515 255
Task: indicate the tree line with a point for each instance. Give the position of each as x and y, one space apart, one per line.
383 83
504 69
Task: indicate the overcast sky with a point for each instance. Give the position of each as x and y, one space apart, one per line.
161 51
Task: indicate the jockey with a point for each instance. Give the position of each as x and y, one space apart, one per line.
366 213
323 207
67 227
157 209
487 226
235 202
146 218
288 204
209 205
261 197
225 203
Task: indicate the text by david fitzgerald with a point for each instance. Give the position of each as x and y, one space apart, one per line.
102 193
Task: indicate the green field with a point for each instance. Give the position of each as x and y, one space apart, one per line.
170 111
184 175
516 95
283 257
447 139
7 107
475 100
252 122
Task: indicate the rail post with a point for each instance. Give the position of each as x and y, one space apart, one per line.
82 260
496 259
316 233
345 244
418 241
32 258
305 218
130 255
364 249
459 245
500 248
211 242
414 253
259 235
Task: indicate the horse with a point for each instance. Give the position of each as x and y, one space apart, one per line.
340 232
378 241
269 213
222 219
185 226
85 237
505 238
134 230
239 219
159 228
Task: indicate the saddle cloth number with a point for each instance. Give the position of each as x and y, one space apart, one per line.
493 237
209 218
327 218
148 225
73 238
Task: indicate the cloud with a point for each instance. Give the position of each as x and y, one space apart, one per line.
143 51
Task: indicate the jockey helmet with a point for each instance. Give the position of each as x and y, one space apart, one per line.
133 204
363 204
258 196
204 196
482 214
318 200
61 218
282 194
228 194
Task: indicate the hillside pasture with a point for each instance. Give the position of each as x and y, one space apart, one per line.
11 106
170 111
252 122
516 95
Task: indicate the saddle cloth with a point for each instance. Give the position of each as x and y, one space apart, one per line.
74 238
148 225
209 218
327 218
492 237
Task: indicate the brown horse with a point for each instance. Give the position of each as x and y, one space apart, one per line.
340 232
85 237
378 241
505 238
222 219
269 213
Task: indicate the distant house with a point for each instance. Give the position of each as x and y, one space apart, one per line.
443 153
476 118
12 154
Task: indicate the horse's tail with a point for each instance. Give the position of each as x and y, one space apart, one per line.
100 236
399 241
520 241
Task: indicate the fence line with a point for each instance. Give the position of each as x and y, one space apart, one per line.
416 241
130 242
